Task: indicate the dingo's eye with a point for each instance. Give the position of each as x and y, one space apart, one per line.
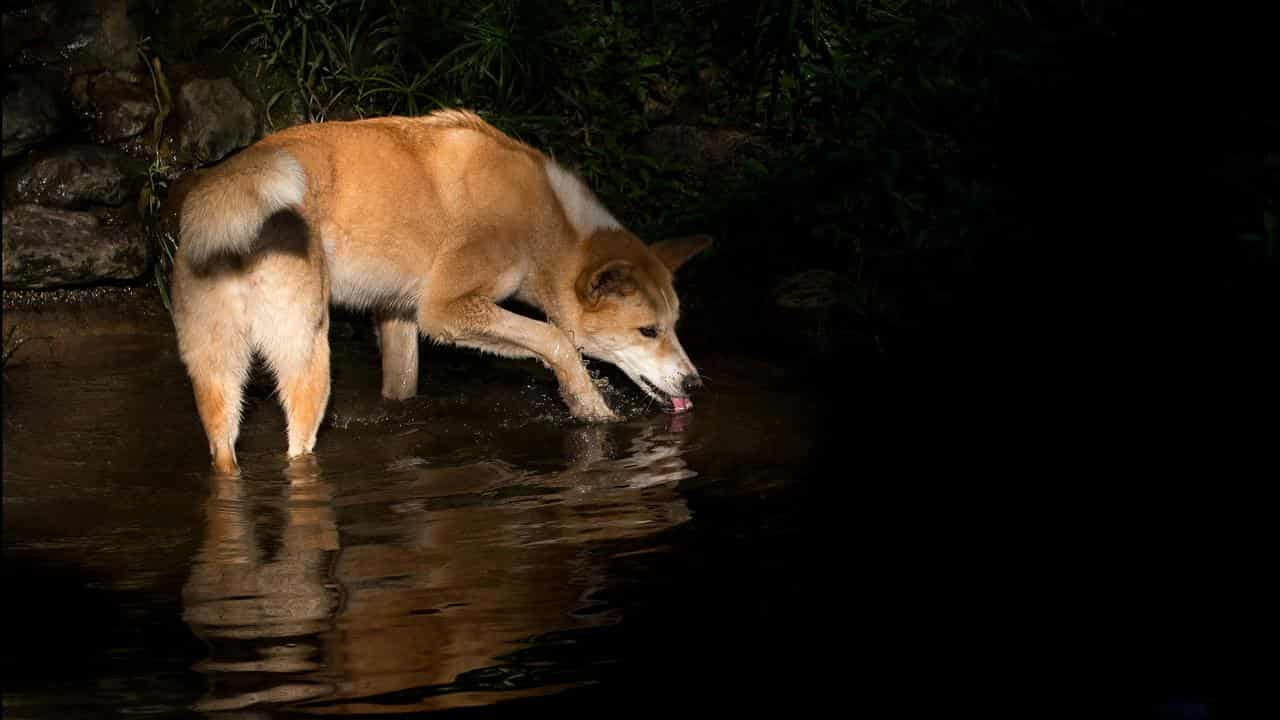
650 332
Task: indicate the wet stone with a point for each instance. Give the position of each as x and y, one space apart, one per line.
75 176
215 120
31 115
87 35
121 105
50 247
23 29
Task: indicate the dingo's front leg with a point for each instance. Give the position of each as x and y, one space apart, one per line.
582 396
398 343
475 321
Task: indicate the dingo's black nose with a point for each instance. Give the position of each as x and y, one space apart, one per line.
690 382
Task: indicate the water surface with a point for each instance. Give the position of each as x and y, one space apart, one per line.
469 547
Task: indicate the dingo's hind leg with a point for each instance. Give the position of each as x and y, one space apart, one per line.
290 305
218 366
304 392
213 344
292 333
218 401
294 340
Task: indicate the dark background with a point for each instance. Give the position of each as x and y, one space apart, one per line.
1048 242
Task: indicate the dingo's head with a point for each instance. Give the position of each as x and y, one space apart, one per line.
629 309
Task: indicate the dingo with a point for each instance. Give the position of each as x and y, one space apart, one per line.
427 222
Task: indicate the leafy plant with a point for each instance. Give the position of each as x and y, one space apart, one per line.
150 198
872 120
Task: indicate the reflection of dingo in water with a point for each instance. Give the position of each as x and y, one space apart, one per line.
260 615
455 569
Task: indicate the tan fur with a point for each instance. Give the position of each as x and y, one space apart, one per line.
428 222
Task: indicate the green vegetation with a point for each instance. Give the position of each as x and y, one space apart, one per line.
840 149
890 140
149 200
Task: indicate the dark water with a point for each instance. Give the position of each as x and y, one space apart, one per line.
809 534
468 547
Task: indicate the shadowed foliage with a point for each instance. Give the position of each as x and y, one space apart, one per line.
918 149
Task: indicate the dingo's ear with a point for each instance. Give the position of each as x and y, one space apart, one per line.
610 278
675 252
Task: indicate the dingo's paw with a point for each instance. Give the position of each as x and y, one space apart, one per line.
591 408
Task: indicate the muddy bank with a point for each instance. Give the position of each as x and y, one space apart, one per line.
91 311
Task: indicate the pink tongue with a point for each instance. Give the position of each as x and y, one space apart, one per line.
681 404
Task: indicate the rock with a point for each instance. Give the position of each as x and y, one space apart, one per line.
48 247
25 28
87 35
122 105
31 115
75 176
704 151
215 118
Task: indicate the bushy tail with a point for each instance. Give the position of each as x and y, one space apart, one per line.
224 214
